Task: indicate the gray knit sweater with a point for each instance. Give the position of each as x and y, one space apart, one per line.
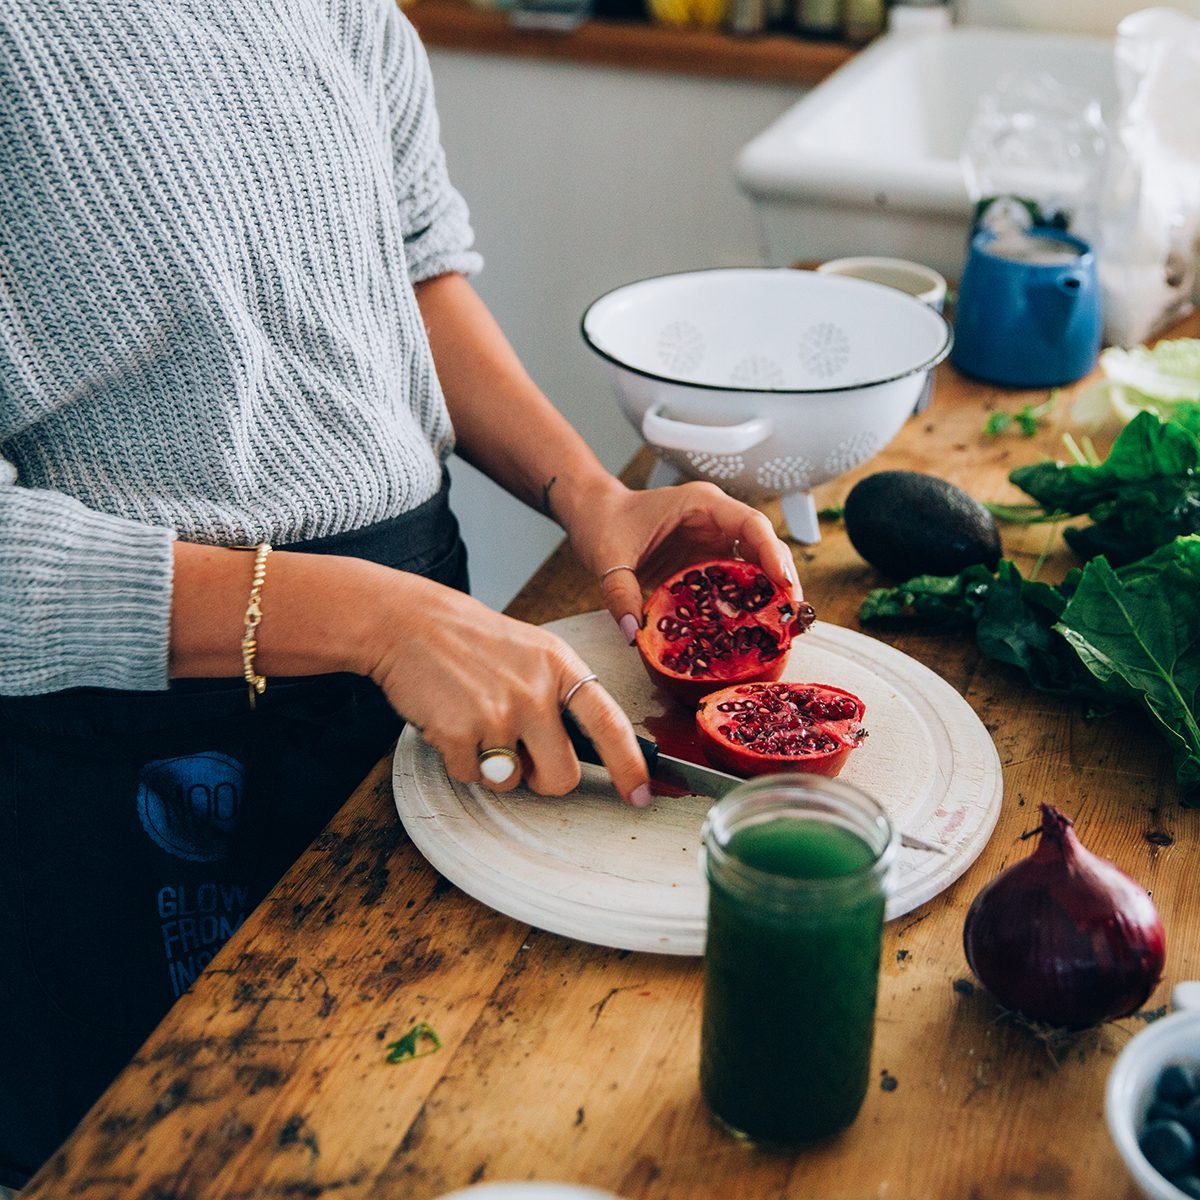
211 216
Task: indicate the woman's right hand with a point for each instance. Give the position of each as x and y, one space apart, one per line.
471 679
467 677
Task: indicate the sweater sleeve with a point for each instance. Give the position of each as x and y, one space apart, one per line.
85 598
437 230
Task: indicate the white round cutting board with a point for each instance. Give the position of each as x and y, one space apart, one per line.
589 867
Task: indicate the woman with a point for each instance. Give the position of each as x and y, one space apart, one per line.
236 313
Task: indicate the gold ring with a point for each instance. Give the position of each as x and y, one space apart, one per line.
618 567
575 687
498 764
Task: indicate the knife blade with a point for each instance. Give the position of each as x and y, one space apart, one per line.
689 776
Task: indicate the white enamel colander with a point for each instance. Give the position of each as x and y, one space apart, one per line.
766 381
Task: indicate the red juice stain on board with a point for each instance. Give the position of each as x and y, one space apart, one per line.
676 734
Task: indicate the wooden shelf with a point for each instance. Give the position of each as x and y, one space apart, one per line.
454 25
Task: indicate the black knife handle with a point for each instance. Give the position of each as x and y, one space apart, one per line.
585 749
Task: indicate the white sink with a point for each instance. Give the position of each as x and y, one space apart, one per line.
868 161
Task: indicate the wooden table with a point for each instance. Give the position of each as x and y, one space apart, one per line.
565 1061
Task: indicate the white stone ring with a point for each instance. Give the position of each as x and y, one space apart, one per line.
498 764
575 687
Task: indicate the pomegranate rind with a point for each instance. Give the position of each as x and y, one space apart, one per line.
779 617
738 759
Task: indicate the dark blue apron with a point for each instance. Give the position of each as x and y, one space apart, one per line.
138 829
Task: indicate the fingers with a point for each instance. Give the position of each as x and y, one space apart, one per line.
553 768
760 543
513 732
751 531
623 598
501 766
696 519
495 762
549 764
603 720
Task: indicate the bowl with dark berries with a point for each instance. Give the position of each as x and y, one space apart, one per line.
1152 1102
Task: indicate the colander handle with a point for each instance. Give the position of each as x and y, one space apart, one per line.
668 434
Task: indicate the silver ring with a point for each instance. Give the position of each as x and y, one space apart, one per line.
618 567
575 687
498 764
737 548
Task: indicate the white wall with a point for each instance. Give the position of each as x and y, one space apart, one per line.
1068 16
580 179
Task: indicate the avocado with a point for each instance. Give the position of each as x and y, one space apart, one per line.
905 524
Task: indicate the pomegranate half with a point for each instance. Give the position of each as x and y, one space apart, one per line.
763 728
716 623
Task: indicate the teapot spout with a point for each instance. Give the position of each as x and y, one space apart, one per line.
1055 300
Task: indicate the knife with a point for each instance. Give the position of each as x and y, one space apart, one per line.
689 777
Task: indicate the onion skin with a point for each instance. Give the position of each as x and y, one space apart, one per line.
1065 937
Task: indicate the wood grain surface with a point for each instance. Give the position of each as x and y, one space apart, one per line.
564 1061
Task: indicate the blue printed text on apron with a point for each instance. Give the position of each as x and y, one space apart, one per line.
190 807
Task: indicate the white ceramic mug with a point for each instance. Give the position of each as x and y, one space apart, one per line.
914 278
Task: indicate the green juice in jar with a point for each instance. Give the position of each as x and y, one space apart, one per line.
795 919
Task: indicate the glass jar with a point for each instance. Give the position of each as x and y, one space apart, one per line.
798 869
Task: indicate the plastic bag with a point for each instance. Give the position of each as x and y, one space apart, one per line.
1150 200
1040 141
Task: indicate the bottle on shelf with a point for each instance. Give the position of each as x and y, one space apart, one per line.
779 16
819 18
862 20
746 16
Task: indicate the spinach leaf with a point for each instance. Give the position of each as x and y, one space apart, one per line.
947 601
420 1040
1017 627
1146 450
1137 631
1187 416
1109 637
1138 518
1146 493
1014 620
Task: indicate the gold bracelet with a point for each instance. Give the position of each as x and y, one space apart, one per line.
256 683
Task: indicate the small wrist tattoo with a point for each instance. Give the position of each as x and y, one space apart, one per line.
546 496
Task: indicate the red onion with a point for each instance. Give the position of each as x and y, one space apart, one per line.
1065 937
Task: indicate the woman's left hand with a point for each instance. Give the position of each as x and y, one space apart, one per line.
656 532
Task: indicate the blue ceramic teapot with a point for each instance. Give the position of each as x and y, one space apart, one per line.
1028 310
